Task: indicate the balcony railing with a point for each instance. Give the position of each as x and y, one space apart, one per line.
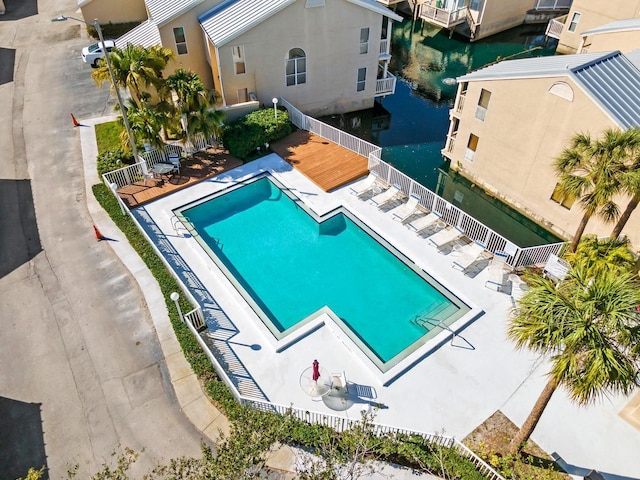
384 46
441 17
460 102
553 5
451 142
555 26
386 86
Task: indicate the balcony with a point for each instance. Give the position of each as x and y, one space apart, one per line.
441 17
386 85
555 26
553 5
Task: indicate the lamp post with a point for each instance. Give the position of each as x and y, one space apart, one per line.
275 106
96 25
175 296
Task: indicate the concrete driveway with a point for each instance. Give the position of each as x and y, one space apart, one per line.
81 371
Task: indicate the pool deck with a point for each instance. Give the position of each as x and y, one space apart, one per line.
452 390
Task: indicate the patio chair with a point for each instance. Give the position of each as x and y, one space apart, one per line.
389 195
469 254
496 271
419 225
174 159
444 236
339 382
556 269
406 210
368 185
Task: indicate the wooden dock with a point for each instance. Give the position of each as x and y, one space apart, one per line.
323 162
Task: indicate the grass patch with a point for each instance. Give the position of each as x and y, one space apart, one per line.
108 136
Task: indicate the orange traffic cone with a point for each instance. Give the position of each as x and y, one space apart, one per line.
98 234
75 122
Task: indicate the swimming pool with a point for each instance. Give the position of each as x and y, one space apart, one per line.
288 264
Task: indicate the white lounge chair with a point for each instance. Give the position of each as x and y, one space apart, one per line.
367 185
468 256
174 159
556 268
404 211
419 225
387 196
339 382
444 236
496 271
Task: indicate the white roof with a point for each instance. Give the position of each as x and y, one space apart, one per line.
146 35
628 24
162 11
231 18
610 79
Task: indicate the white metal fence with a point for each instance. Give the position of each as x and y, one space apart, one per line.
553 4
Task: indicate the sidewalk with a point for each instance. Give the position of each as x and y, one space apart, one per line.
205 417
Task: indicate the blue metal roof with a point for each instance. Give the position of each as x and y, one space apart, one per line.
610 78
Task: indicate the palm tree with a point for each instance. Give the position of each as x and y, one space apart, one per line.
194 104
136 68
600 255
146 121
631 179
589 329
591 171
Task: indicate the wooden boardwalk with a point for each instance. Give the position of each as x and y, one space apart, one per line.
323 162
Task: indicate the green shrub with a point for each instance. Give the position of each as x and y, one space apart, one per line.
252 131
113 160
108 135
112 30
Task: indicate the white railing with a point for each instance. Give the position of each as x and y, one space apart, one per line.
460 102
554 28
553 4
384 45
441 16
451 142
452 215
387 85
196 318
341 424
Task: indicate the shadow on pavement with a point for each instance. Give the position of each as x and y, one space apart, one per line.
21 442
7 61
19 237
17 9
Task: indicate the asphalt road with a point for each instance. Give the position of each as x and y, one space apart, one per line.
81 371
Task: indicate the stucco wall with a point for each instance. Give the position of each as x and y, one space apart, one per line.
330 37
594 14
607 42
498 16
525 128
115 11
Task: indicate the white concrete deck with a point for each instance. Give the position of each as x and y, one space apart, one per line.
453 389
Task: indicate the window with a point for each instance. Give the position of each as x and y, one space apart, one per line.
364 40
565 200
296 67
181 40
483 104
472 146
573 24
243 95
238 60
362 79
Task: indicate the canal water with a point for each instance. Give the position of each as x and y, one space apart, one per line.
412 124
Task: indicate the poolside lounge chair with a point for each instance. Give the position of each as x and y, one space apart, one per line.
496 271
404 211
556 269
419 225
387 196
444 236
468 256
367 185
174 159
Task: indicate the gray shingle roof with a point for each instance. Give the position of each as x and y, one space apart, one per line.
611 79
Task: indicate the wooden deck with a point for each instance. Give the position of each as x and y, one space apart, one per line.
324 163
196 168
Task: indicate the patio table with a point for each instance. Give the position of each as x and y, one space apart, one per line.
162 169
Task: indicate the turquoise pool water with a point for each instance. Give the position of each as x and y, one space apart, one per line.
288 265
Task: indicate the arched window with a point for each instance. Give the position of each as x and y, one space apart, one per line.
562 90
296 67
